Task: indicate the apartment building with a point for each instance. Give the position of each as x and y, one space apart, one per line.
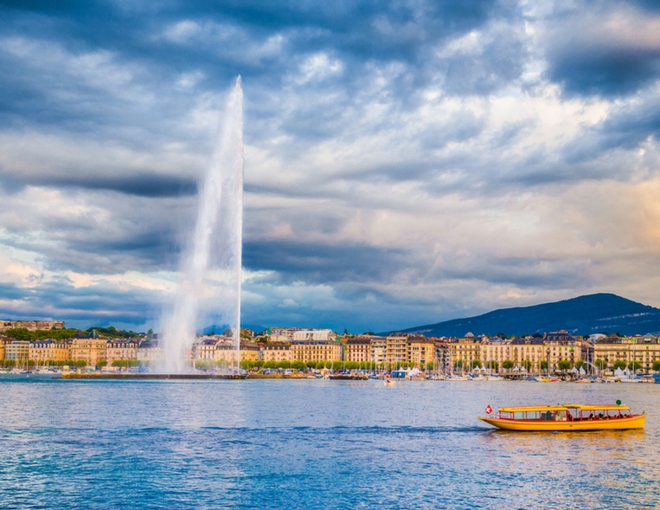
313 350
89 350
45 351
121 350
358 349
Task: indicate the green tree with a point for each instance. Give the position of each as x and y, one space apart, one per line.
527 365
656 366
270 364
543 364
299 365
430 366
507 364
126 363
311 364
19 334
102 363
601 364
492 364
564 364
284 364
337 365
259 363
476 363
620 364
579 364
459 364
634 366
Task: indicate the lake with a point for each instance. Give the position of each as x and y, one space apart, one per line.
313 444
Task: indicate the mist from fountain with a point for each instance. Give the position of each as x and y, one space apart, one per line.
215 248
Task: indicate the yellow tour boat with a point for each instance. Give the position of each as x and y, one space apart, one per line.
566 417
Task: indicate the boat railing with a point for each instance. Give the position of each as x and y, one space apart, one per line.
562 415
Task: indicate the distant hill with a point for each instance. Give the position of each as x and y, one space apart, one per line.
582 315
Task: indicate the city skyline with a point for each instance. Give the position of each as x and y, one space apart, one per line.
405 163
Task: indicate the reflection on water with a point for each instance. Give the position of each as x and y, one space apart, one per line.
307 444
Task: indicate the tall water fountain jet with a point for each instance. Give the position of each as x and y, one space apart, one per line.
215 248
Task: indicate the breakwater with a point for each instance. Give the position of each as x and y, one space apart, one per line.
152 376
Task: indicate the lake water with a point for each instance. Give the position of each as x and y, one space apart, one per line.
313 444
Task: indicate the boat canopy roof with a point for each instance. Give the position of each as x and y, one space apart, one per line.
564 407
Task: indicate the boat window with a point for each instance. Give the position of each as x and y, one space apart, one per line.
574 413
533 415
505 415
561 415
548 416
600 414
613 413
519 415
625 413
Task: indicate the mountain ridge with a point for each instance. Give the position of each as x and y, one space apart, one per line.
582 315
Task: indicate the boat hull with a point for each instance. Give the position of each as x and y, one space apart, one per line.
634 422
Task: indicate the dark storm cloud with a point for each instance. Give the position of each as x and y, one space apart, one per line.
523 272
323 263
609 50
607 71
142 185
100 303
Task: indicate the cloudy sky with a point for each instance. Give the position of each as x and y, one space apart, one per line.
406 162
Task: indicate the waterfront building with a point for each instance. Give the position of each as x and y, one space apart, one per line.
250 351
149 351
463 352
421 351
561 346
18 351
316 350
378 350
224 350
644 350
358 349
89 350
205 349
121 350
526 353
3 342
280 351
396 349
45 351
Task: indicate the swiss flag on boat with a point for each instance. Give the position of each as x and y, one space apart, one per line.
489 409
